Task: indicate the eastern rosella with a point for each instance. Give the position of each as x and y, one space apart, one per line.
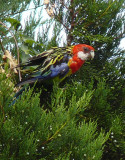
57 63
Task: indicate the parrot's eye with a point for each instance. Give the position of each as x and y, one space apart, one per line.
86 49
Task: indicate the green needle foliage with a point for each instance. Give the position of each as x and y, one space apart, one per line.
83 117
28 131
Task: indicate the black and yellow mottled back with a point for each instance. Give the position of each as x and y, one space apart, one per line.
45 62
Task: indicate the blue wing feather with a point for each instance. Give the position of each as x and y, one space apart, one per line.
59 68
54 71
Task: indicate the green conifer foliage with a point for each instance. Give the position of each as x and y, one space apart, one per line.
28 131
83 118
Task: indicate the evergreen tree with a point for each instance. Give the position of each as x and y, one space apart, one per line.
83 118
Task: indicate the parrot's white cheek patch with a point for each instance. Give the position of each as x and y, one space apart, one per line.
82 55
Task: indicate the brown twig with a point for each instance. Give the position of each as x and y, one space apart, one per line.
122 35
2 46
51 13
60 20
18 54
3 34
2 110
72 14
62 2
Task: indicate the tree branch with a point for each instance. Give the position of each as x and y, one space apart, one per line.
18 54
2 45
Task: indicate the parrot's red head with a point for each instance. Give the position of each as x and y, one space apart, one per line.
83 51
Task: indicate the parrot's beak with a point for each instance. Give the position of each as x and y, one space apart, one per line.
92 54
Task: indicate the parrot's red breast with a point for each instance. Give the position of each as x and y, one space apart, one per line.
75 63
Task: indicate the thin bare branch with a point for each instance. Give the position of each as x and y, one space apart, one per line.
18 54
2 110
2 46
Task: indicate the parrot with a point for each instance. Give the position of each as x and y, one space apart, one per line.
57 63
53 65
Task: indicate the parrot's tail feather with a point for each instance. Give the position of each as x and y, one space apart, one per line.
26 82
32 80
17 95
